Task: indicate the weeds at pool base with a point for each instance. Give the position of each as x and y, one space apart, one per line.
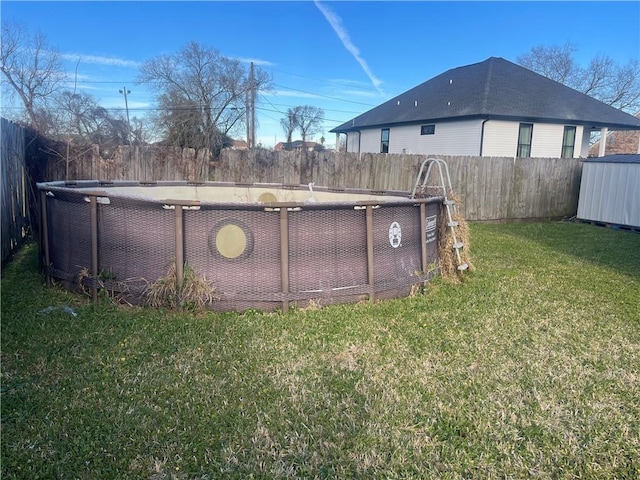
192 293
421 288
108 286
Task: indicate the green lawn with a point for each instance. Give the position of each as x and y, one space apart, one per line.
529 369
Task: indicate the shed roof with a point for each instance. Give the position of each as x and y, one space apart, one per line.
492 89
620 158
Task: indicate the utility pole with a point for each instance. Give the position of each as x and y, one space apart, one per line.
250 100
253 107
247 112
126 105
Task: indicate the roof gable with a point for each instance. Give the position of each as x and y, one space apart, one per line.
496 89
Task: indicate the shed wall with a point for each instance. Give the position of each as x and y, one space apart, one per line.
610 193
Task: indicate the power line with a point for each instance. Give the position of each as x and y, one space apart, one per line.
275 105
278 111
323 96
275 84
183 109
330 82
269 102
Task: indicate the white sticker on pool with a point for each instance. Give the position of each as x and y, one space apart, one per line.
431 225
395 235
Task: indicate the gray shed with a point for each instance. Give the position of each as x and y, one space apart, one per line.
610 190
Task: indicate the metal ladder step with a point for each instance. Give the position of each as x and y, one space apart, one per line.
450 205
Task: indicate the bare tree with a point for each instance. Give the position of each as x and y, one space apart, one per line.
201 94
32 68
140 130
309 120
613 84
603 79
555 62
289 124
78 118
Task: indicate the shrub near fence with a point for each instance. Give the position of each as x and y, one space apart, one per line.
14 199
490 188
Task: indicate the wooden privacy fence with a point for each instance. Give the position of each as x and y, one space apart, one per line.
490 188
14 198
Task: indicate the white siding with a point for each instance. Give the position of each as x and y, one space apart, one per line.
583 151
352 141
547 140
610 193
464 138
370 141
450 138
500 138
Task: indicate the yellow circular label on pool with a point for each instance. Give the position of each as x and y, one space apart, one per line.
267 197
231 241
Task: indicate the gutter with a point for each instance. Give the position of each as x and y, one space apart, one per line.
482 135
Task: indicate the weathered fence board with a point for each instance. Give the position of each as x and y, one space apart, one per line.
14 216
491 188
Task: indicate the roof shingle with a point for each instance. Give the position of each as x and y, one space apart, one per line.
492 89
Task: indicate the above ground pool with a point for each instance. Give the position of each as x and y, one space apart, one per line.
263 246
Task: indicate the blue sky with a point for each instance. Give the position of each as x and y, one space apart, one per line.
345 57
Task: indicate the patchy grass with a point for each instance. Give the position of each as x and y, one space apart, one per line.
529 369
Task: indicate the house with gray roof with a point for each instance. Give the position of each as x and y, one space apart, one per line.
491 108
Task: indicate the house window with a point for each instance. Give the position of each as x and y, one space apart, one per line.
427 130
384 141
524 140
568 142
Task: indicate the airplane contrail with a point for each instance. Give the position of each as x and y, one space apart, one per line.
336 23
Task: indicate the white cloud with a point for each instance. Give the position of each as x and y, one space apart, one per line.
256 61
292 93
99 60
336 23
119 103
359 93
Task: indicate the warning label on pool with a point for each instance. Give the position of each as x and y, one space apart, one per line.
430 228
395 235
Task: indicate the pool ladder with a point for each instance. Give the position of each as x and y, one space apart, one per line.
450 205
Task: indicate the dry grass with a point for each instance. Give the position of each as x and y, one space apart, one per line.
448 258
193 293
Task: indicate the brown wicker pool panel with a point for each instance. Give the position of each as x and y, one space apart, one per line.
276 255
249 281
